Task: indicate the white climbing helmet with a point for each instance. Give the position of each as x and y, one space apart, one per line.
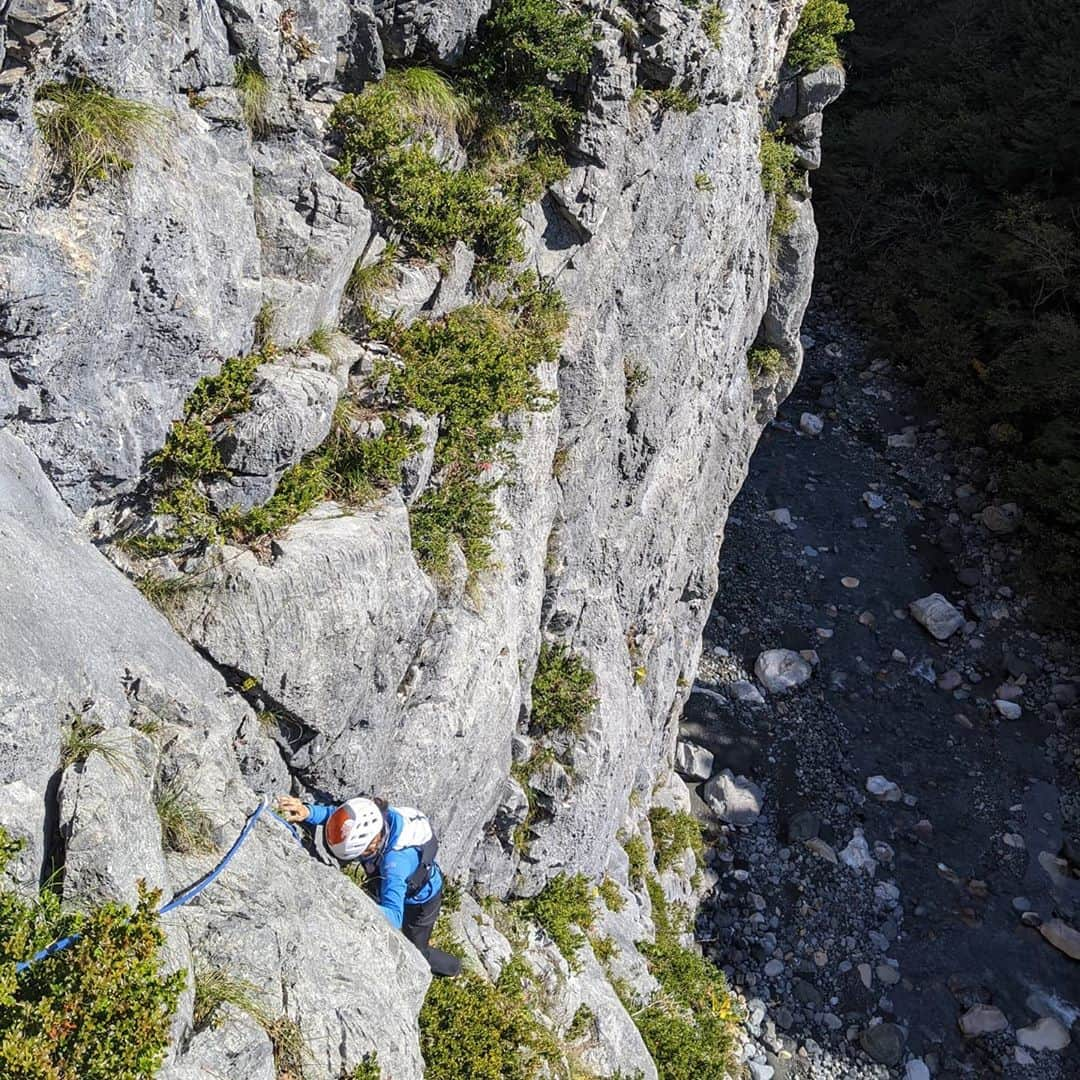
351 828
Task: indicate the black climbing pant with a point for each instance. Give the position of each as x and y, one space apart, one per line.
417 926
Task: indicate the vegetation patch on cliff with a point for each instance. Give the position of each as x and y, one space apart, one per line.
562 691
91 133
564 908
815 42
780 177
100 1010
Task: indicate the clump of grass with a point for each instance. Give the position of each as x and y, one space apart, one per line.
216 987
604 949
423 94
764 360
638 856
611 894
562 691
91 133
673 833
264 325
564 903
367 1068
581 1022
253 90
163 591
814 43
322 341
291 1054
636 375
703 182
713 21
185 826
368 280
672 99
83 737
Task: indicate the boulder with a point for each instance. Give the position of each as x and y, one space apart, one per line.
884 1043
781 670
935 613
1047 1033
693 760
1001 519
819 89
1062 936
733 799
982 1020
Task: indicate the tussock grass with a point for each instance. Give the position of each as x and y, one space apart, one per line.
253 90
85 737
91 133
185 826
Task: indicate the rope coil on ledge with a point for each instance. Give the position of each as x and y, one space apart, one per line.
186 895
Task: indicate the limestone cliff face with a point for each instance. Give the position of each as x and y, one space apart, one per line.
115 303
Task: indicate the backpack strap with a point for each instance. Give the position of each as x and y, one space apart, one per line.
422 874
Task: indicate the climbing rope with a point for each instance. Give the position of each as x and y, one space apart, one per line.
188 894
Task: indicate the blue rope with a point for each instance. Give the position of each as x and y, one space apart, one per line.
188 894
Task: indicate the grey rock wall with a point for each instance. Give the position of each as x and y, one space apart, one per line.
371 675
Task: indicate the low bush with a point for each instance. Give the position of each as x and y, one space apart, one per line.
762 360
676 100
672 833
470 1027
612 895
713 21
814 43
562 691
689 1025
459 509
91 133
99 1010
564 903
638 856
367 1068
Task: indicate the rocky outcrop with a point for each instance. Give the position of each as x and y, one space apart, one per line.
366 672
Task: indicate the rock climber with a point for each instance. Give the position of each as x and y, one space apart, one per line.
396 847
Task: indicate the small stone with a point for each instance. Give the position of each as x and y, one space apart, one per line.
822 850
887 974
1062 936
1008 710
1045 1034
935 613
782 516
823 632
1009 692
1021 904
905 439
803 826
868 619
899 657
850 582
1013 840
982 1020
1064 694
1001 519
857 854
883 789
1022 1057
950 681
781 670
774 968
873 500
884 1043
866 975
745 691
760 1070
916 1070
859 523
811 424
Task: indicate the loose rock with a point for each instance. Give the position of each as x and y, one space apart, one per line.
1045 1034
936 614
982 1020
781 670
733 799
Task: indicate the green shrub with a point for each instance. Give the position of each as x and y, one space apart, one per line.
604 949
703 182
612 895
673 833
471 1027
458 510
814 44
564 903
322 341
562 691
366 1069
713 21
185 826
581 1022
676 100
638 855
779 174
430 205
99 1010
762 360
368 280
91 133
253 90
521 58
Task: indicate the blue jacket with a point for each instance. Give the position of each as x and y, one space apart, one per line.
395 867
